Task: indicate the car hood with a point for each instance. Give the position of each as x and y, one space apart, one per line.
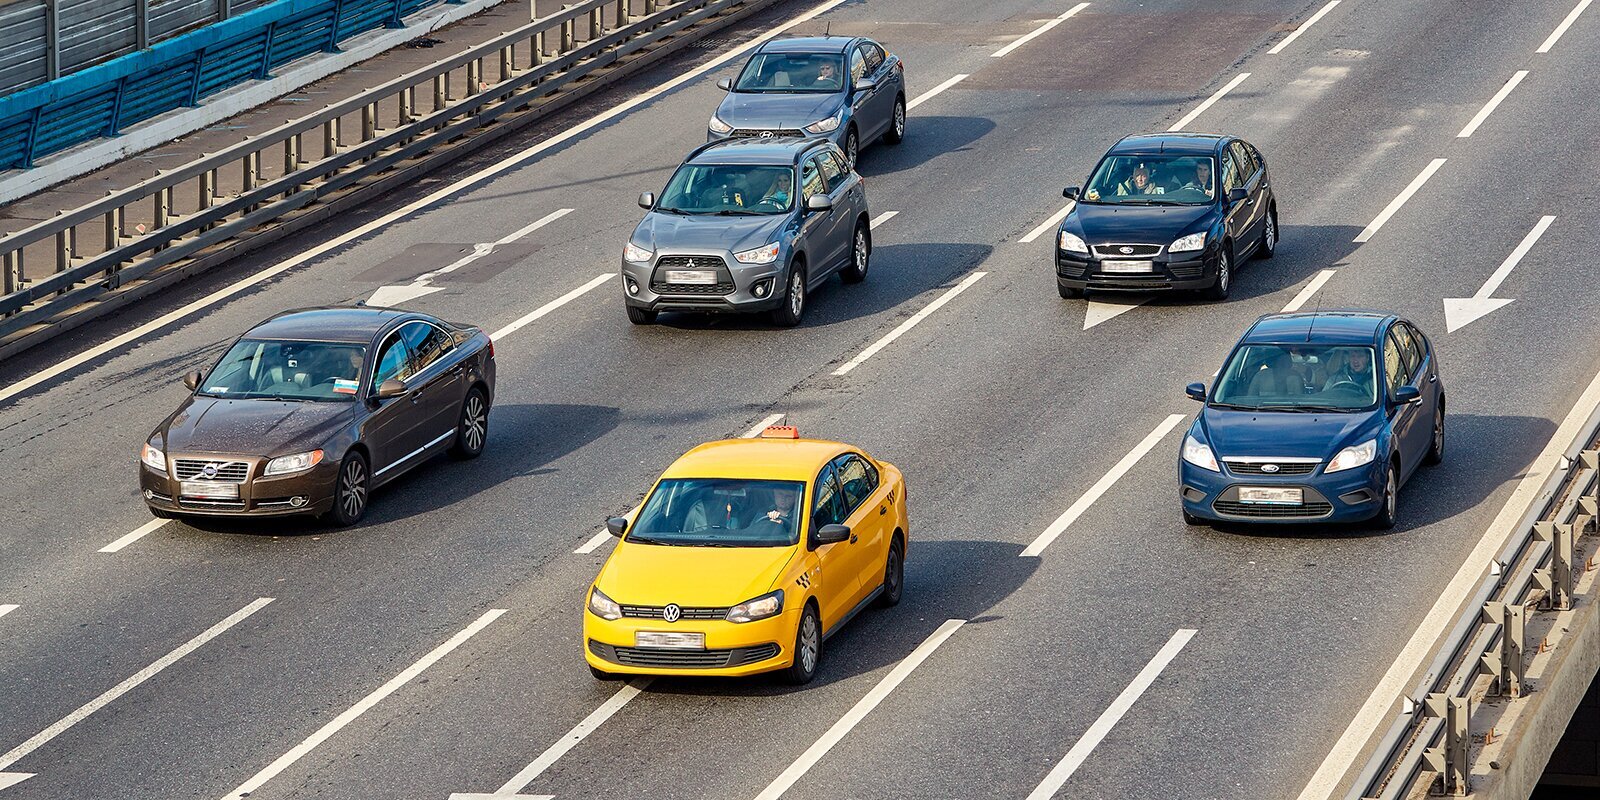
1233 434
253 427
646 574
1106 224
706 233
777 110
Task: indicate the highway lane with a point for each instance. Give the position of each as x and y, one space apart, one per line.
946 508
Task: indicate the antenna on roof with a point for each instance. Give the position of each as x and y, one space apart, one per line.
827 29
1314 315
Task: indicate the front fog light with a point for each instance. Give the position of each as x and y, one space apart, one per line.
762 288
633 287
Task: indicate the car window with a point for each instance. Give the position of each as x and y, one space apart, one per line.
394 360
857 479
828 508
1410 354
1394 368
811 180
728 190
1423 348
426 343
1230 171
1247 163
1152 179
858 66
720 512
792 73
289 370
874 56
1291 377
833 172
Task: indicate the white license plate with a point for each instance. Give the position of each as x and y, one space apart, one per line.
1124 267
211 490
703 276
670 641
1271 496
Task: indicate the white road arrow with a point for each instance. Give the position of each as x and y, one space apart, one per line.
1100 310
13 778
422 285
1460 312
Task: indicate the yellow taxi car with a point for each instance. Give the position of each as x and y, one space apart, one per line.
746 555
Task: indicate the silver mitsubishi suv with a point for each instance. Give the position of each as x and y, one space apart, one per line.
731 232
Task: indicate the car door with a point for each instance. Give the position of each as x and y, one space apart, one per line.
843 188
870 519
1418 372
439 379
840 580
818 227
393 428
862 100
880 102
1251 180
1402 416
1238 213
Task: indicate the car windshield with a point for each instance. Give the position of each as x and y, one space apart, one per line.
1162 180
1298 378
792 72
729 190
287 370
720 512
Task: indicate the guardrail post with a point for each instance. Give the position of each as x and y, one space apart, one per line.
369 121
1555 579
507 56
1449 762
11 271
224 9
567 32
141 24
408 102
538 50
66 246
330 137
1591 459
52 39
596 28
624 14
474 75
649 7
1505 661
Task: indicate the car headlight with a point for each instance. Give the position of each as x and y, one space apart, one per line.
765 254
828 125
1073 243
766 605
1184 244
718 126
636 254
154 459
1199 454
283 465
602 606
1354 456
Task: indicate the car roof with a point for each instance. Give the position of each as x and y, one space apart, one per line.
1182 143
331 323
757 459
1339 326
784 150
809 44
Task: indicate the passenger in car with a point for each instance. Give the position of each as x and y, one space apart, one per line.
1139 183
1201 179
1278 378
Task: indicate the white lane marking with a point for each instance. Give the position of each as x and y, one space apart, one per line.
7 608
594 542
761 426
1396 681
120 343
928 95
550 306
62 725
1306 293
859 711
138 533
578 733
1111 716
1400 200
1037 32
909 324
882 218
1565 24
422 285
1489 107
1200 109
1460 312
1049 224
498 796
361 707
1302 29
1100 486
1098 311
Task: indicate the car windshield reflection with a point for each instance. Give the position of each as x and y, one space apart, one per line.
720 512
287 370
1169 180
729 190
792 72
1298 378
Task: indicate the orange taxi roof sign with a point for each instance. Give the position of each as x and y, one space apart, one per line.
780 432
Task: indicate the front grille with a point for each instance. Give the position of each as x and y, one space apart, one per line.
692 288
1249 468
189 469
1234 508
745 133
1183 272
215 505
682 659
724 284
690 262
659 612
1116 250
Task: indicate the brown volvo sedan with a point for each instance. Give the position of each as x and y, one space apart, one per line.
311 410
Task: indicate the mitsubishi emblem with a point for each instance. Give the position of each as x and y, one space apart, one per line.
672 613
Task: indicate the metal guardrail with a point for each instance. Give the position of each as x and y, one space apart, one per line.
1428 742
540 63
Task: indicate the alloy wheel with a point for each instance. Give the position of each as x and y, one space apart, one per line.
810 642
899 120
1272 233
861 253
474 423
797 294
353 488
852 148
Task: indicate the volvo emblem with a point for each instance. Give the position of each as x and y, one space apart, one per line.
208 471
1125 250
672 613
1269 468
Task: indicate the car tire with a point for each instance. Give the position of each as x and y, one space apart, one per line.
601 675
852 147
1224 284
897 123
894 575
1389 511
1068 293
793 309
807 649
352 489
1192 520
1269 235
641 316
860 256
472 430
1436 445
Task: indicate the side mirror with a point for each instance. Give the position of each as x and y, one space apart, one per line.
1196 391
393 387
829 534
819 202
647 200
726 84
617 526
866 85
192 380
1406 395
1071 192
1237 195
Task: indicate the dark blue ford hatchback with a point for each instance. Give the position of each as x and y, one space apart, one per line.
1315 417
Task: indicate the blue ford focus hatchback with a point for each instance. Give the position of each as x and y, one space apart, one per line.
1315 417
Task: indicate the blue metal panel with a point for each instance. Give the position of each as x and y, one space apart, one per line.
156 92
65 124
232 63
303 34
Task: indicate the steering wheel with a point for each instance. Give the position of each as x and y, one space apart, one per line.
1345 382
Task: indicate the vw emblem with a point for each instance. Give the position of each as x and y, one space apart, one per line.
208 471
672 613
1269 468
1125 250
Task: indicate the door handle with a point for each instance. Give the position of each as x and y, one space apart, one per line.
852 538
1434 378
883 510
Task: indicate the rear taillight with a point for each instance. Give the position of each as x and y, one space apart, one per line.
491 348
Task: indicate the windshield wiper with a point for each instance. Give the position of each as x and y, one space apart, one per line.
647 540
670 210
1233 406
733 212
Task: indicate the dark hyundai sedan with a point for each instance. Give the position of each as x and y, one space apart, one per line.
1316 417
1168 211
311 410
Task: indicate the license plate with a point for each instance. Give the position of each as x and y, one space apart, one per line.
691 276
1127 266
1271 496
670 641
211 490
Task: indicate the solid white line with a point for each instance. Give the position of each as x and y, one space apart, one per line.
762 425
909 324
594 543
139 533
1049 224
1306 293
61 726
1199 109
1100 486
1511 261
120 343
7 608
1395 204
1565 24
1395 682
550 306
882 218
595 719
1302 29
925 96
361 707
1109 718
536 225
859 711
1489 108
1037 32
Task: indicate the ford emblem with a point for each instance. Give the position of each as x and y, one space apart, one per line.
1269 468
1127 251
672 613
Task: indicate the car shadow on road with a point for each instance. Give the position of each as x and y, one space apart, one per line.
927 138
1303 251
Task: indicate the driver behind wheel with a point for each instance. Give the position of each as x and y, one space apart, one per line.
1357 370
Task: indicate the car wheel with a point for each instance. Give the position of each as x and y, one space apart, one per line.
894 576
601 675
641 316
1192 520
1219 290
860 256
852 147
1436 449
807 648
1388 513
1067 292
897 126
1269 236
793 309
472 432
350 490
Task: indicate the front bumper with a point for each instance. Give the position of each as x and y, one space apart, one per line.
1080 272
740 288
258 496
1348 496
732 649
